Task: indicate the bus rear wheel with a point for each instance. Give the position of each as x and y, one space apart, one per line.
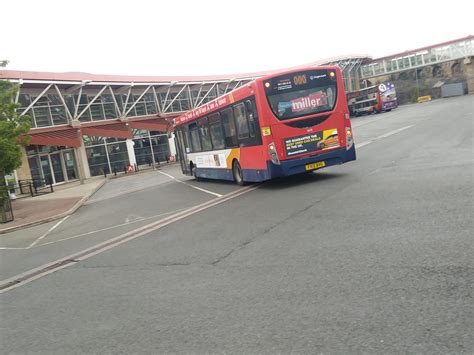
237 172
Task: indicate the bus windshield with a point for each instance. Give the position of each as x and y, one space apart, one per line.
303 93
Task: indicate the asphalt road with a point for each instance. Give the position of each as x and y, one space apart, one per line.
374 256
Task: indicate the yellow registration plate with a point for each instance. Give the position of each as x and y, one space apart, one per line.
317 165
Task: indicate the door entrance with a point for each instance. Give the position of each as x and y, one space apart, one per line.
46 167
57 166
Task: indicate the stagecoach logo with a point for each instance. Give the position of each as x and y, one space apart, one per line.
313 77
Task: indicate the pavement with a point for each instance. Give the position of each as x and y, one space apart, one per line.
65 200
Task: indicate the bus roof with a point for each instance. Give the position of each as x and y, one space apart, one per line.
235 95
213 105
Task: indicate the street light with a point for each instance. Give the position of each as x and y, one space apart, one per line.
417 89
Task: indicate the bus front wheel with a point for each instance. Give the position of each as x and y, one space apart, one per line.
192 167
237 172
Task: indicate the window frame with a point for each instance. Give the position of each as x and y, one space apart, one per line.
241 121
217 123
193 128
204 134
234 137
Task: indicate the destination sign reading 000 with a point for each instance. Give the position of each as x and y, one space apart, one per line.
300 79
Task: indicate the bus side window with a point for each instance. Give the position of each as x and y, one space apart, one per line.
204 134
187 139
230 133
241 121
251 117
217 133
194 134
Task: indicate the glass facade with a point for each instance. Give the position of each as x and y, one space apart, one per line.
49 110
106 155
150 147
54 165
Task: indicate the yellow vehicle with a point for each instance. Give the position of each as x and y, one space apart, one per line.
329 142
424 98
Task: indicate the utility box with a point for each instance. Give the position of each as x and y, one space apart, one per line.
6 212
454 89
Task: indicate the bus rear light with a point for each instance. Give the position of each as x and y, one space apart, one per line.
349 138
273 153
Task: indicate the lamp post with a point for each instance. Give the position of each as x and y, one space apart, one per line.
417 89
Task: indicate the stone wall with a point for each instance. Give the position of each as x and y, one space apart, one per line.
426 80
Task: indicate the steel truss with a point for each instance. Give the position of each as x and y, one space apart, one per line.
165 96
349 67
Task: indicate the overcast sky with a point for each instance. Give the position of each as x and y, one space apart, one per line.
174 37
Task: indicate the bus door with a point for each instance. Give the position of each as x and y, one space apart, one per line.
182 154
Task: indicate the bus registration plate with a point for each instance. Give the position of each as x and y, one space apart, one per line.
317 165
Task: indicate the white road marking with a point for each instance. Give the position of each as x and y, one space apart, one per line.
111 227
31 275
166 174
47 232
133 218
385 135
100 199
368 121
194 187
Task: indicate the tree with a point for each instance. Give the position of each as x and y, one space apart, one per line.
13 128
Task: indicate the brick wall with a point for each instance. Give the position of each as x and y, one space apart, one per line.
23 172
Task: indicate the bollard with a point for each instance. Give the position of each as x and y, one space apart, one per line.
115 171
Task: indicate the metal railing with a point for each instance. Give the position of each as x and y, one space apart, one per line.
34 187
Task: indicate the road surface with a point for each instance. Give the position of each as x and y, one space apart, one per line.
374 256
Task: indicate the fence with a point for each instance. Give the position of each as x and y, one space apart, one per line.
33 187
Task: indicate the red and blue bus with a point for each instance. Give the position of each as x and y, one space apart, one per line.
373 99
283 124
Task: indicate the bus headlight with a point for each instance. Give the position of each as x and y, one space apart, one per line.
273 153
349 138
